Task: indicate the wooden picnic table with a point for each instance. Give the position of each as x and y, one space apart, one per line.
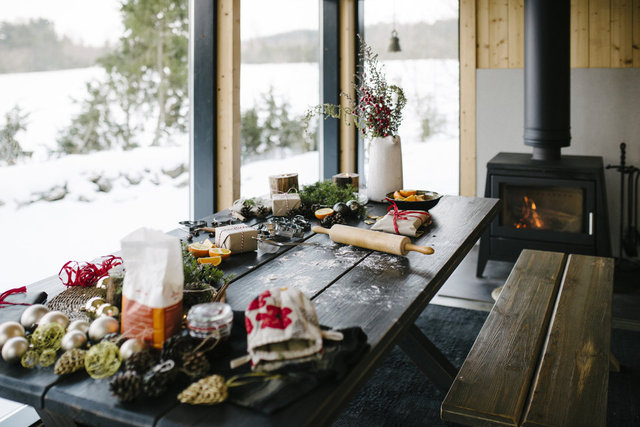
383 294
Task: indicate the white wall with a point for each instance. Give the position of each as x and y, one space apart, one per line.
605 110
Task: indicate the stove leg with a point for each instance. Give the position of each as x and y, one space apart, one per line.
483 254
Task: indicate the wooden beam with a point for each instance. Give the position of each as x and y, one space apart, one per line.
228 102
580 33
468 97
599 34
621 34
516 33
348 140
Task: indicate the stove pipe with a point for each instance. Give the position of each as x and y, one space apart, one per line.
547 31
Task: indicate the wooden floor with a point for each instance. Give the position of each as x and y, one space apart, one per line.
465 290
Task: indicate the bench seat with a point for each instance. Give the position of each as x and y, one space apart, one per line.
542 356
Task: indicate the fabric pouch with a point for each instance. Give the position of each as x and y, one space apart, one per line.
282 329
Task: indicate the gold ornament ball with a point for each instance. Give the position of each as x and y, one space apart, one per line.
103 326
103 282
55 317
102 360
32 315
14 348
78 325
10 330
93 303
73 339
107 310
131 346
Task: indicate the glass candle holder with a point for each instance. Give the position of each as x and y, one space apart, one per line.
212 318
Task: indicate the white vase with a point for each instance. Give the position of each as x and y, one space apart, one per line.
385 167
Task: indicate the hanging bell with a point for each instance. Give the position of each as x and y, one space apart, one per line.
394 45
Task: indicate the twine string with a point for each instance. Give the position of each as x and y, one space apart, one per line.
403 214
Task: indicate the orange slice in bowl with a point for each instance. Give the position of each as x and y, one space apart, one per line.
407 193
213 260
221 252
200 249
323 213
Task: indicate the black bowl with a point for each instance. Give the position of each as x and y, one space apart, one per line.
432 199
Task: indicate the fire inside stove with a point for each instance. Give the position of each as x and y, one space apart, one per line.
543 208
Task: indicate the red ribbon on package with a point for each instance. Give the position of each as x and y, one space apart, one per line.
403 214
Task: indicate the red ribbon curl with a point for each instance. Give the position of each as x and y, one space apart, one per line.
87 274
5 294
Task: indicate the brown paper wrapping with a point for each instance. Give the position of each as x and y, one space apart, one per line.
237 238
283 203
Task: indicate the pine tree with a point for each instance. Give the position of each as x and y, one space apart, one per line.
10 149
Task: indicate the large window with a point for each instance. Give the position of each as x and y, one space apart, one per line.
279 81
93 132
426 68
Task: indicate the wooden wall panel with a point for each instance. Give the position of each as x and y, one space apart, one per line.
482 31
498 33
636 33
580 33
468 51
516 33
604 33
599 33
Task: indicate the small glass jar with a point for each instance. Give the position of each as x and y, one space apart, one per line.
210 318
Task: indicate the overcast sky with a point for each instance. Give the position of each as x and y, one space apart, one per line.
97 21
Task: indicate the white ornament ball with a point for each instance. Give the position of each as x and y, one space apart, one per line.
107 310
103 326
9 330
78 325
73 339
131 346
32 314
55 317
14 348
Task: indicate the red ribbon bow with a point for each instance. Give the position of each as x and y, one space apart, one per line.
403 214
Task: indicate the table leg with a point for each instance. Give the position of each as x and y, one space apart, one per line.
50 419
428 358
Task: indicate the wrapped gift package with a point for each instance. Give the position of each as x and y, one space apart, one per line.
237 238
284 202
402 222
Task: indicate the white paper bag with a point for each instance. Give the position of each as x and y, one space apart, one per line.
153 284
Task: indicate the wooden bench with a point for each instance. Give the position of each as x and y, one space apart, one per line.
542 356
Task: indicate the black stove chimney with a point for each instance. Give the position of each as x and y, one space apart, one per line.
547 32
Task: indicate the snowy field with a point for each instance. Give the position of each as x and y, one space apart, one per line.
99 198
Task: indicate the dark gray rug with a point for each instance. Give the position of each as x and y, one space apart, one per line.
399 394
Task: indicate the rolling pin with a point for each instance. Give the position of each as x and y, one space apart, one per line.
375 240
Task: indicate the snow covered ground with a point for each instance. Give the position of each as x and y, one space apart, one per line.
148 186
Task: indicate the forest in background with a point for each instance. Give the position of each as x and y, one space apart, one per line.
35 46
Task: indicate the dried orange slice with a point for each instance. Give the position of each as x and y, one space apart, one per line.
411 198
407 193
213 260
200 249
221 252
397 195
323 213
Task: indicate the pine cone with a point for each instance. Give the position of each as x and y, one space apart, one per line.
196 365
207 391
156 381
140 362
262 212
176 347
70 361
327 222
246 211
126 386
338 218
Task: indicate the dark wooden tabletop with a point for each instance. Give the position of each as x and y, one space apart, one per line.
381 293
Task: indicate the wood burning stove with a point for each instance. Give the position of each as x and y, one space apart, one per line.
550 202
554 205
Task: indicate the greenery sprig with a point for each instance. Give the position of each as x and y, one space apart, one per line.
377 109
203 273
